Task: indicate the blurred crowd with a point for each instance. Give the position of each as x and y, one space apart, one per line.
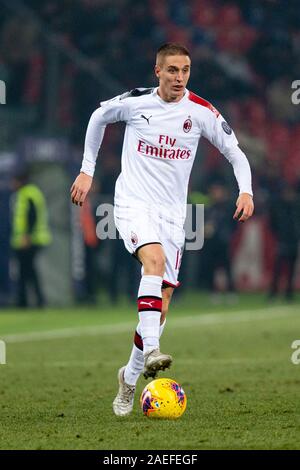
245 56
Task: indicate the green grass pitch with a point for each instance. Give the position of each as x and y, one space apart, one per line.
234 363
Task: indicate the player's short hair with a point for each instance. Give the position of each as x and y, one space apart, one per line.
171 48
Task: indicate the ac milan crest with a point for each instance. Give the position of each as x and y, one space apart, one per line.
134 238
187 125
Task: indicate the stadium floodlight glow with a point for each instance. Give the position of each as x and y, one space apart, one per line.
2 92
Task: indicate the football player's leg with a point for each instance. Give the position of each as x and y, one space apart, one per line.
153 259
129 374
148 330
138 231
135 365
167 293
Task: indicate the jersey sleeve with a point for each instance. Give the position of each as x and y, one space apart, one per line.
220 134
114 110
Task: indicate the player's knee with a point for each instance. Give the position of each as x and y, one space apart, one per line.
155 265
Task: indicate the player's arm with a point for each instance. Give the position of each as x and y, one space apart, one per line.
219 133
93 139
110 111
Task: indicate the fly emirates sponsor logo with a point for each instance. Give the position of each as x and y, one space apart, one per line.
166 149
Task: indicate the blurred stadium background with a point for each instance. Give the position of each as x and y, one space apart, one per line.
59 58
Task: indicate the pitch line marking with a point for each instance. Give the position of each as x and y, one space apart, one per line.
192 320
194 361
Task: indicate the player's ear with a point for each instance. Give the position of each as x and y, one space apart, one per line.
157 70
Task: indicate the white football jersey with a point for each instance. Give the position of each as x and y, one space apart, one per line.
160 144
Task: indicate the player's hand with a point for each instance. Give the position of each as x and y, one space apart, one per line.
245 207
80 188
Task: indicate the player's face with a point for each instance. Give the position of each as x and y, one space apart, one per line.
173 74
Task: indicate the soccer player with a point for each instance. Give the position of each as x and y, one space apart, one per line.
163 128
30 234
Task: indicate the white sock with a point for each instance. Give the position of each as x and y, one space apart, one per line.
135 365
149 307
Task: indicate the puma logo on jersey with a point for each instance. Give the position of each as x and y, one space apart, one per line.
147 303
147 119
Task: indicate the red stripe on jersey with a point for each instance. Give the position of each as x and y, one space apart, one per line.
197 99
138 341
149 303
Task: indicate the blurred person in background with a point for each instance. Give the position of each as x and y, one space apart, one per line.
91 244
218 231
163 128
30 233
285 225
